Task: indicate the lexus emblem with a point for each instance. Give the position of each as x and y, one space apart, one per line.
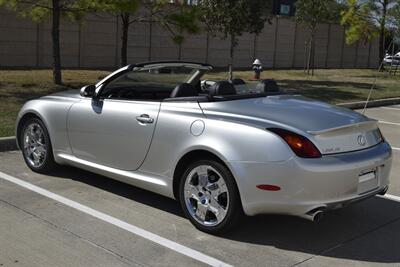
361 140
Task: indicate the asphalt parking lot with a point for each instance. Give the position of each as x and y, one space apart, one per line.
75 218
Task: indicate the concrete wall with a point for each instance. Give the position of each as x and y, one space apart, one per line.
96 43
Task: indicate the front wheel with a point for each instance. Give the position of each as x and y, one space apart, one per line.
209 197
36 147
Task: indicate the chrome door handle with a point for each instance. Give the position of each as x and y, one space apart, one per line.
144 118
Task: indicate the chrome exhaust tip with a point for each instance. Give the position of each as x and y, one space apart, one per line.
315 215
318 216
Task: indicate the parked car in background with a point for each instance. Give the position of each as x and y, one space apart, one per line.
222 149
392 60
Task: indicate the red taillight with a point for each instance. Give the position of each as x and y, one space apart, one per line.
300 145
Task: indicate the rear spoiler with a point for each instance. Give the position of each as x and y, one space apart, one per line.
364 124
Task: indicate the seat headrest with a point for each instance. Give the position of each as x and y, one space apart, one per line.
237 81
184 90
222 88
267 86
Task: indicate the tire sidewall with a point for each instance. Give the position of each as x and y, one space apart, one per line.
234 207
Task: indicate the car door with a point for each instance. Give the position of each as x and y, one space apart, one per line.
114 126
111 132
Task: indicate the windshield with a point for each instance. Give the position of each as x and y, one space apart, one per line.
165 76
151 83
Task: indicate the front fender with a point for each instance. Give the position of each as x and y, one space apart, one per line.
53 113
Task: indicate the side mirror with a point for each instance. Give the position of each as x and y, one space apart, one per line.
88 91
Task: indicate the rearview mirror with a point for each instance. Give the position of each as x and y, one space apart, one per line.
88 90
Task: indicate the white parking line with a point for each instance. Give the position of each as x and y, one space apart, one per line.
194 254
396 148
391 123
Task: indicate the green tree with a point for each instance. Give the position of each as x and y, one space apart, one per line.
395 32
176 18
395 15
366 19
232 18
39 10
310 13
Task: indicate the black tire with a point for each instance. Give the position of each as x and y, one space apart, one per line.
48 164
234 210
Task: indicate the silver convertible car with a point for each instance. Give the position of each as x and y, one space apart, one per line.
222 149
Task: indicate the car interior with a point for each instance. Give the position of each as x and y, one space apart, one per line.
160 87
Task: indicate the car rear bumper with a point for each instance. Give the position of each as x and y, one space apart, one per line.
306 185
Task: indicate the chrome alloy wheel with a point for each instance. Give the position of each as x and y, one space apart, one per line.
206 195
34 145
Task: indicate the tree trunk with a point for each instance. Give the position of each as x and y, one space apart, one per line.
55 34
391 63
311 52
124 45
312 56
382 32
305 57
232 52
309 56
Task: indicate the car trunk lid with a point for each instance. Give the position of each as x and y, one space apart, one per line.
332 129
351 137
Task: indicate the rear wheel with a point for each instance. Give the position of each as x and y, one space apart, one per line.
36 147
209 197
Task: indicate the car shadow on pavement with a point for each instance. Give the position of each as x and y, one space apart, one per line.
367 231
121 189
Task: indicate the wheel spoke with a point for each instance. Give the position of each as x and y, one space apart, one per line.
38 132
192 191
222 185
36 159
201 211
31 133
41 149
201 170
40 143
217 188
203 175
29 152
35 153
217 209
27 144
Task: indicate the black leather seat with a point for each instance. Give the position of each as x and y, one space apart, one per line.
222 88
184 90
268 86
238 81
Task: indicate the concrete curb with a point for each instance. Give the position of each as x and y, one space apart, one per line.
8 144
371 104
